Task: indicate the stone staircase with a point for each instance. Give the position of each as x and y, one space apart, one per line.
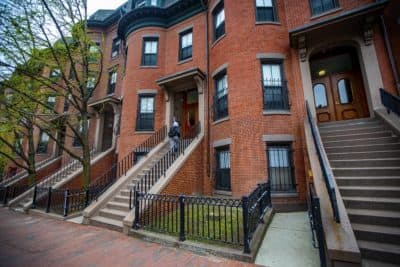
111 215
24 201
365 160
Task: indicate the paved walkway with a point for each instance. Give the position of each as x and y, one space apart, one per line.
288 242
30 240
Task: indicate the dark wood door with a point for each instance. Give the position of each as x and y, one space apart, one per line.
223 170
340 96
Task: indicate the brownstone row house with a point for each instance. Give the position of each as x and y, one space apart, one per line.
241 72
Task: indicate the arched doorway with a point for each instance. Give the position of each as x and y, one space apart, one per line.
108 128
337 85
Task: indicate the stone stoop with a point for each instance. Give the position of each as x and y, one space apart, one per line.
365 160
112 214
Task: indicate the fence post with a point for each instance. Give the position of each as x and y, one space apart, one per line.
6 195
48 200
320 231
66 202
268 189
34 197
130 199
87 197
182 218
136 206
246 241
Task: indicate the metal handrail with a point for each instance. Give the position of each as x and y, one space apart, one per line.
391 102
324 164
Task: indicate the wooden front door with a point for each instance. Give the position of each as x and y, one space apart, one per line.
186 110
340 96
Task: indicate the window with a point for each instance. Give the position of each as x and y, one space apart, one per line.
223 169
344 90
91 82
320 96
94 52
185 44
50 103
141 3
150 47
280 167
76 142
66 102
55 74
219 21
274 87
115 47
18 144
221 96
321 6
43 142
265 10
145 114
154 3
112 80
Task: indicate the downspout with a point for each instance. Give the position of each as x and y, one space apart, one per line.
204 3
390 54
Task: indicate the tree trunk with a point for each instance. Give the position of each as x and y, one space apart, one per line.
85 151
31 156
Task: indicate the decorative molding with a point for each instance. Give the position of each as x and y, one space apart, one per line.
278 138
222 142
302 48
200 84
368 34
219 69
270 56
147 91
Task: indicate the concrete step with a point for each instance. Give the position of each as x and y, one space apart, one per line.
364 155
379 162
118 206
367 171
377 233
373 134
106 223
373 263
121 199
375 217
376 203
345 131
380 251
125 192
368 181
363 141
349 126
370 191
362 148
344 122
113 214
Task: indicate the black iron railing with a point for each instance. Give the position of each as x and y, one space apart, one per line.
324 163
65 201
275 94
390 102
159 169
229 221
314 213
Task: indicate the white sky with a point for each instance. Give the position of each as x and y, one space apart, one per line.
94 5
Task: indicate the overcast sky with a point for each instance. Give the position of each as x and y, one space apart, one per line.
94 5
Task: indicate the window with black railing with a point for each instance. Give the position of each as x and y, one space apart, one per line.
275 92
43 143
265 10
221 96
321 6
281 167
112 80
150 49
145 114
185 44
219 20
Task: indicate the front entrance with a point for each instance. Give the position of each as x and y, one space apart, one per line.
338 88
186 110
108 128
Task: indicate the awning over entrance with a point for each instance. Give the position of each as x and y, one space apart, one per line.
183 80
356 20
106 100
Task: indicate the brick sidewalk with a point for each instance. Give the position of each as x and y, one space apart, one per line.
30 240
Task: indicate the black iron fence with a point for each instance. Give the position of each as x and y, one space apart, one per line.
229 221
159 169
65 201
314 213
391 102
324 163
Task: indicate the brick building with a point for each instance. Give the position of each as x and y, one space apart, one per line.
241 71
